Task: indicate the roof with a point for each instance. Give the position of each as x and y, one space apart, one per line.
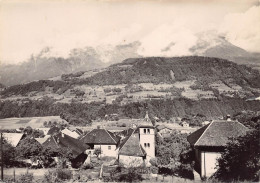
100 136
145 126
74 134
130 146
65 141
42 140
13 138
79 131
217 133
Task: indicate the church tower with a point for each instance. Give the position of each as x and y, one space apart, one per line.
147 140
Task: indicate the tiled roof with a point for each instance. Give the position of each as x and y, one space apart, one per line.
217 133
131 146
100 136
65 141
13 138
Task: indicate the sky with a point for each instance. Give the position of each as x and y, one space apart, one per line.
28 26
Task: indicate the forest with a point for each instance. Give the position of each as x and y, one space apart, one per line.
83 113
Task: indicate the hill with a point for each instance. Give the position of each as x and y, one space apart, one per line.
170 70
168 87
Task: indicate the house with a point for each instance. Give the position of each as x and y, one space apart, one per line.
78 131
138 148
103 139
185 124
163 130
74 134
13 138
78 149
205 123
208 142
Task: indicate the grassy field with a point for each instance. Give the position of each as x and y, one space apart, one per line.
34 122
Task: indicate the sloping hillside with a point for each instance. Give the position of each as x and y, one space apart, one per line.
170 70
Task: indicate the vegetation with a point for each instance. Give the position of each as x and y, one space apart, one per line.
83 114
158 69
120 174
58 175
174 156
240 160
250 119
26 178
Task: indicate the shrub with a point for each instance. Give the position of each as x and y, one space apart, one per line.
26 178
57 175
64 174
87 166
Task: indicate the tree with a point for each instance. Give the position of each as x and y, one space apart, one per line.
240 160
8 154
174 155
97 151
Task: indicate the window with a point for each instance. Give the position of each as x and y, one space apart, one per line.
109 147
144 130
144 144
148 145
148 131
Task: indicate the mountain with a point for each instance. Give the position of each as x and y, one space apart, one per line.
211 44
46 65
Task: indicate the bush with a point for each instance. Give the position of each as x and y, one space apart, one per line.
87 166
124 175
154 169
26 178
57 175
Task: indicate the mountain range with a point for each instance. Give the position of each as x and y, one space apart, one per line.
46 65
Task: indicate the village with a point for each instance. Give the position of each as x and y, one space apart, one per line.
101 153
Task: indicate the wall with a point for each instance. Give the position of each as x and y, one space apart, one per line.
105 151
208 162
131 161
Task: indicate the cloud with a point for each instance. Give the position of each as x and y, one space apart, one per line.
168 40
243 29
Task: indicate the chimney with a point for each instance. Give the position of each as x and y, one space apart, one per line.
62 135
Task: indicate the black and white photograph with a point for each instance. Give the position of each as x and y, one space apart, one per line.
146 91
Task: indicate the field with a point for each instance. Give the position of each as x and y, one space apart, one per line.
34 122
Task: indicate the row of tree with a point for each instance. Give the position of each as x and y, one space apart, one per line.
83 113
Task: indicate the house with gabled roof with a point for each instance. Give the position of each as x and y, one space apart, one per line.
13 138
78 149
103 139
209 141
138 148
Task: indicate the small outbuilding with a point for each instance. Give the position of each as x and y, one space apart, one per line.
209 141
